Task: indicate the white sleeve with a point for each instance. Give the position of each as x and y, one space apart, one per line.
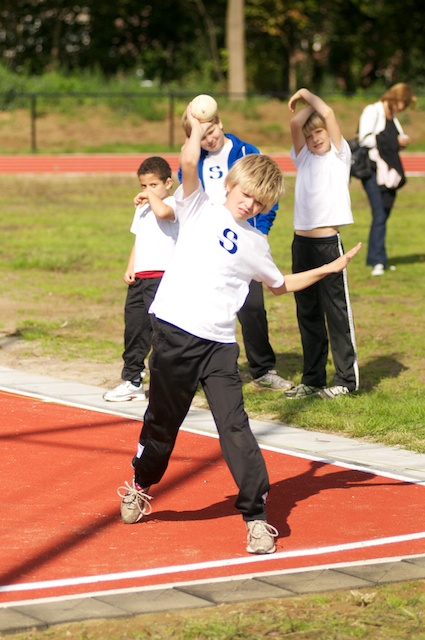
367 126
187 207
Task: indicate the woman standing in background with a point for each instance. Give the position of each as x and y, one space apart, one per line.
381 132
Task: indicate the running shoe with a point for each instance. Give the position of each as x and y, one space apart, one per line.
124 392
135 502
302 391
333 392
271 380
261 537
378 270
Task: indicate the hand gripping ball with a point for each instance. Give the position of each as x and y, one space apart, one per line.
204 108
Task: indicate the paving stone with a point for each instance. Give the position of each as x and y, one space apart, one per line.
12 621
315 581
419 561
74 609
382 572
150 601
236 591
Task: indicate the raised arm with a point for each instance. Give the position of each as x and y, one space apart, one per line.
296 124
191 152
317 104
161 209
297 281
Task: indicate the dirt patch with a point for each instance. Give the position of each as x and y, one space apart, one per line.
97 127
24 355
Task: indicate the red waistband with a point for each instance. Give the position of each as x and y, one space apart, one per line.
142 275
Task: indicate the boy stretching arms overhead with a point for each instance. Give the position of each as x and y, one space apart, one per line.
217 255
322 205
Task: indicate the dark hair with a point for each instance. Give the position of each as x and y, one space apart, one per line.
156 165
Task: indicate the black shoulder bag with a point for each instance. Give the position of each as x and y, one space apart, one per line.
361 165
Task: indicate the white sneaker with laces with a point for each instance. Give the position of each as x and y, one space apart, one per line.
272 380
261 537
302 391
378 270
124 392
332 392
135 503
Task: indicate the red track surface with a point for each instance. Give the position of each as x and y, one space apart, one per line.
117 163
61 531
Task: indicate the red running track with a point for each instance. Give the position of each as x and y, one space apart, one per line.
61 531
414 163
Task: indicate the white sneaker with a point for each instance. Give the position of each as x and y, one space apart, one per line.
125 391
378 270
260 537
332 392
271 380
135 503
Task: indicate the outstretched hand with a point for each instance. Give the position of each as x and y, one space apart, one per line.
340 263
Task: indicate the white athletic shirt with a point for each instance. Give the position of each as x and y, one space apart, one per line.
214 261
155 238
214 172
322 197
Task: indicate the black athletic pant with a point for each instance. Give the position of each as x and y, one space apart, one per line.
179 361
255 332
138 326
323 310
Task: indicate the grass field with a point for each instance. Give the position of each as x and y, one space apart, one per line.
65 243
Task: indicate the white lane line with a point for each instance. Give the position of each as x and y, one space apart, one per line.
202 566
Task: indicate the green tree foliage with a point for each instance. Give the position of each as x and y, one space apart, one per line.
346 44
166 39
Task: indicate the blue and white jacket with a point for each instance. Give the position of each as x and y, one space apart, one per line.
263 221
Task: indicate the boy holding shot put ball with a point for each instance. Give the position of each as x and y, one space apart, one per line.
217 254
219 151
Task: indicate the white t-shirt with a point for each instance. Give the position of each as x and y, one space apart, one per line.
214 261
155 238
322 196
214 172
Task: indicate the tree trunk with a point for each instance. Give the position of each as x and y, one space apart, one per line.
235 43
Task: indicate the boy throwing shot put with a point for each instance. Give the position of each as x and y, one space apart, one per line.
217 255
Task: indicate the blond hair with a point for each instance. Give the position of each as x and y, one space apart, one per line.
314 121
399 92
259 176
187 126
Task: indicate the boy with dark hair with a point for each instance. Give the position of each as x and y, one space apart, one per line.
156 232
217 255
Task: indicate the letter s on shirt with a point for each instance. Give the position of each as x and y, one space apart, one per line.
229 241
